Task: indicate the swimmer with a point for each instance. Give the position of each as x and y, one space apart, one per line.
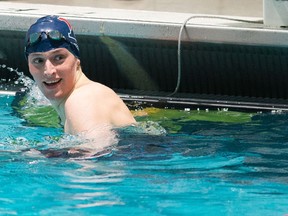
53 57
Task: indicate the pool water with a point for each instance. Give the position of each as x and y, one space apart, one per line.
179 165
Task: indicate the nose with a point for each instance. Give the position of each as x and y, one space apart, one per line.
49 68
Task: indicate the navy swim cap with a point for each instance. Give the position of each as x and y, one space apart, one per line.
48 33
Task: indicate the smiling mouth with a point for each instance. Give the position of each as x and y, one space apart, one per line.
52 82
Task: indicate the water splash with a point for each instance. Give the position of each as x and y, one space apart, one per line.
31 104
149 128
60 145
35 97
20 84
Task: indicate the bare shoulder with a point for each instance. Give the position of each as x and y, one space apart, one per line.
92 91
100 89
98 103
96 89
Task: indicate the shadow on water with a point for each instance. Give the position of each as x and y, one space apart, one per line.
255 149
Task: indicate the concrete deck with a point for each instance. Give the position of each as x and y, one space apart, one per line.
146 24
250 8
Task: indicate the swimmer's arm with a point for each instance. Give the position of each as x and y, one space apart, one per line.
82 117
93 110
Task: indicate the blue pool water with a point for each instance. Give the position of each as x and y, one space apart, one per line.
198 167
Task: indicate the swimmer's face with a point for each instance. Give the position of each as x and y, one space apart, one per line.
55 72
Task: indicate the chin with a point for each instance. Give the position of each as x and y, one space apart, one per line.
54 97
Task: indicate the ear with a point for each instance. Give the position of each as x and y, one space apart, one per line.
78 62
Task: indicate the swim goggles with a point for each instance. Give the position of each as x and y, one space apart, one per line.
36 37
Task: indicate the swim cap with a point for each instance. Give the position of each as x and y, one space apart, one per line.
48 33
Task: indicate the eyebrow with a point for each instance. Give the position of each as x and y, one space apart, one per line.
52 52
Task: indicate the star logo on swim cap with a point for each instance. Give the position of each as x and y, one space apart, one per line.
70 34
66 21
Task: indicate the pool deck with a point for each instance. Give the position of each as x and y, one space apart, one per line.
246 8
146 24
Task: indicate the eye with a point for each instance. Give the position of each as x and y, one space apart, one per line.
38 60
59 58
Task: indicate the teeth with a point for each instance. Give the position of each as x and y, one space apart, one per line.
52 81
